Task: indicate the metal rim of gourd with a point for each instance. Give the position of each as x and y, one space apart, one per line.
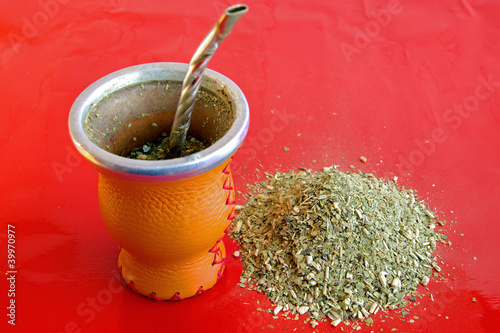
163 170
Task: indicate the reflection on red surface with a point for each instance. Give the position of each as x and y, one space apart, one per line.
413 86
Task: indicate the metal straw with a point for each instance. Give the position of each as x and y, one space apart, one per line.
196 68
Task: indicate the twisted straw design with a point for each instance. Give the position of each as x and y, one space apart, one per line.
195 72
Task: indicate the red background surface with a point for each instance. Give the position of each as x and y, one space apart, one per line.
351 85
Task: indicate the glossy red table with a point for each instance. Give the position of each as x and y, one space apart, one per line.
412 85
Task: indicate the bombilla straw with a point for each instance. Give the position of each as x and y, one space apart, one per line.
195 71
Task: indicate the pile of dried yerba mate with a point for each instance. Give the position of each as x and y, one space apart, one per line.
335 244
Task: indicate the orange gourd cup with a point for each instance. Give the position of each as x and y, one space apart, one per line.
168 216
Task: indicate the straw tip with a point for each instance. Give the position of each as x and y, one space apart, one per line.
238 9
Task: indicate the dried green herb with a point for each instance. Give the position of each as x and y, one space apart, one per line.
158 150
335 244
